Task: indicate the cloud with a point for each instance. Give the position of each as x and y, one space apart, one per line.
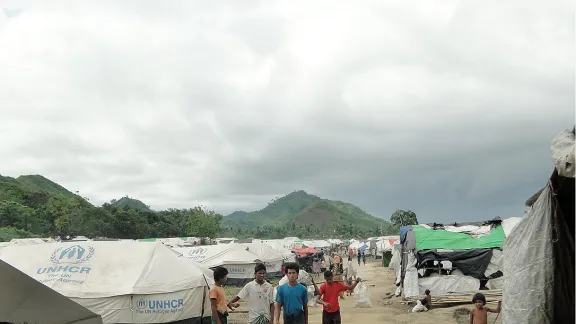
446 109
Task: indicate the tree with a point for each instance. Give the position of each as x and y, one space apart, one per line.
15 214
202 223
404 217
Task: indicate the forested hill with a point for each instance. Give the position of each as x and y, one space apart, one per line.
300 213
34 206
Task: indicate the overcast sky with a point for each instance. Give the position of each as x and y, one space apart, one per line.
443 107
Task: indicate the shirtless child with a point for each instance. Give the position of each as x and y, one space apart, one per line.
479 315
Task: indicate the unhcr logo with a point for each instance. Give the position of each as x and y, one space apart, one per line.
141 304
197 251
155 306
72 255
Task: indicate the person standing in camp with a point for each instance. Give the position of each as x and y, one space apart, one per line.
364 258
337 262
359 257
293 297
316 266
217 297
328 297
260 296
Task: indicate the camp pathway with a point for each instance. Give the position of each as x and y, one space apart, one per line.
380 281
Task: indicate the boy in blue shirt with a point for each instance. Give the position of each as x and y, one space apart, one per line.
293 297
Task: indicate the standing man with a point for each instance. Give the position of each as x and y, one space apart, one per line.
337 263
293 297
329 292
217 297
260 296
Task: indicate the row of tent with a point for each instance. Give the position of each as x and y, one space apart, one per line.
123 281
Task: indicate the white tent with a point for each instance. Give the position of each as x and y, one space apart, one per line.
233 256
317 244
27 241
124 282
278 246
24 299
272 258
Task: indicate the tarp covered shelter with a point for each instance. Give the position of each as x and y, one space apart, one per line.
539 253
233 256
449 257
124 282
24 299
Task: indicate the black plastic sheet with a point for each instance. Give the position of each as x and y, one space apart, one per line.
473 262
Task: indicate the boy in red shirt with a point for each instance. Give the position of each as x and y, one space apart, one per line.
329 292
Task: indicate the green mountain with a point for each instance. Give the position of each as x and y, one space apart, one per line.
34 206
37 182
131 203
302 209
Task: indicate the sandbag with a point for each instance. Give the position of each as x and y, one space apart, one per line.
362 296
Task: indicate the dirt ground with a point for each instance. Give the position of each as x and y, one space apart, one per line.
385 310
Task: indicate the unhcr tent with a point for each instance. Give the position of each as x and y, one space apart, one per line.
124 282
24 299
277 246
450 258
233 256
539 253
272 258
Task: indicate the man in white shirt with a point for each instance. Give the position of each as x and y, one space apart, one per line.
260 297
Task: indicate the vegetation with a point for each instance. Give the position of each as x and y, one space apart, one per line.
303 215
130 203
33 206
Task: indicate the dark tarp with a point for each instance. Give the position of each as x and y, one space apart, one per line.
563 249
473 262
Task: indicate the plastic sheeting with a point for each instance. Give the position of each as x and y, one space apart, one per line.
509 224
475 231
563 153
433 239
445 285
411 277
496 263
528 267
472 262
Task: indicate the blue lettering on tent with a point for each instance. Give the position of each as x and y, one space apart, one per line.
156 306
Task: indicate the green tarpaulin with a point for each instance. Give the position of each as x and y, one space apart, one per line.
427 239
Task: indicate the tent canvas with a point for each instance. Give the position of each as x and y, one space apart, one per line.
278 246
272 258
24 299
233 256
123 281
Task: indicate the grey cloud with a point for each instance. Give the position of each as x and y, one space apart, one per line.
447 110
